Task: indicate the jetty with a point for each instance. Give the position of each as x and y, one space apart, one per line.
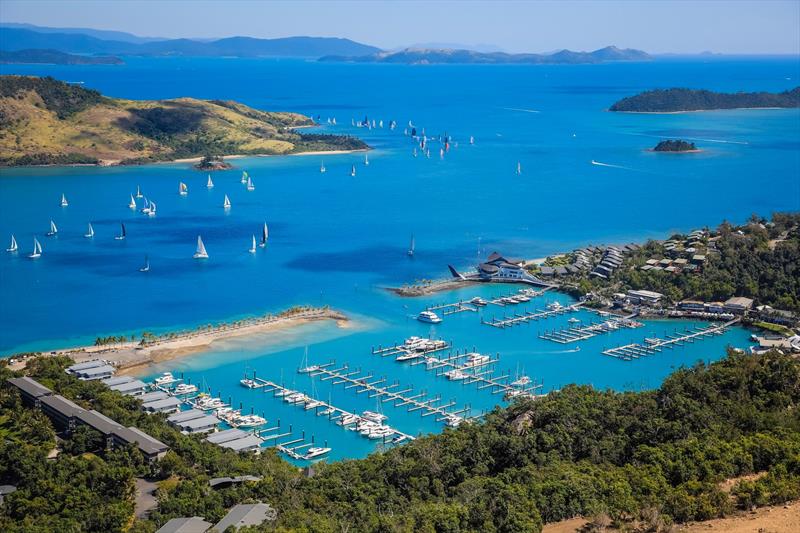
530 316
583 332
653 345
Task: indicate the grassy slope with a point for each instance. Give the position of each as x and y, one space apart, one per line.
115 130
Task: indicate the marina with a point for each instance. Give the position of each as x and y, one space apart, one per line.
580 333
531 316
653 345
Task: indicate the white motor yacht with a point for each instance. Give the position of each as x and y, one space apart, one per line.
429 317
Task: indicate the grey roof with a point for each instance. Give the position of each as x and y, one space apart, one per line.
245 443
153 396
145 442
186 415
195 524
30 386
561 270
119 380
547 270
98 421
130 386
217 481
62 405
95 371
246 515
85 365
198 423
166 403
226 436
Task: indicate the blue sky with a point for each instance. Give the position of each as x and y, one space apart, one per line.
679 26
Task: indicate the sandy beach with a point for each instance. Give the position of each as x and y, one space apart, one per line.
132 357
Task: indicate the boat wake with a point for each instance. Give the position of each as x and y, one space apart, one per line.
599 164
521 110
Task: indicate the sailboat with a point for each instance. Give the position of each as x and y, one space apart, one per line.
244 176
152 211
411 247
37 249
13 246
210 184
471 139
415 151
132 203
226 203
366 160
250 186
138 192
201 250
252 249
64 202
146 267
322 168
89 232
519 168
53 229
353 171
122 234
264 235
183 190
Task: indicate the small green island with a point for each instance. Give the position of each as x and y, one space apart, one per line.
44 121
675 146
682 100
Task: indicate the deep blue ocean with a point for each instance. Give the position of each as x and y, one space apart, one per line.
339 240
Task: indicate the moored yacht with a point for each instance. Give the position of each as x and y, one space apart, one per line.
184 388
456 375
165 379
478 301
315 451
429 317
249 383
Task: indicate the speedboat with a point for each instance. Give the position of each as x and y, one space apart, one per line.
429 317
478 301
315 451
455 375
249 383
165 379
185 388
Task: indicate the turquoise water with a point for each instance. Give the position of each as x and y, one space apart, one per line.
339 240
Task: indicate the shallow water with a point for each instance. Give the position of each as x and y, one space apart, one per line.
339 240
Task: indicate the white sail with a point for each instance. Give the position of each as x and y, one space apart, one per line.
138 192
89 231
183 190
226 203
322 168
37 249
210 183
366 159
244 176
132 204
250 186
13 246
253 246
64 202
53 228
152 210
353 171
471 139
411 246
201 249
519 168
264 235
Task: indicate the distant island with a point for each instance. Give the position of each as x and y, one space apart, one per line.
679 100
675 146
54 57
44 121
434 56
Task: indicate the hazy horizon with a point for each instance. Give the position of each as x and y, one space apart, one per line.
658 27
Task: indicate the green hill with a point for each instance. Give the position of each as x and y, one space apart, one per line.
675 100
46 121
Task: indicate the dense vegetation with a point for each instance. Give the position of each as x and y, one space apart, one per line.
54 57
760 260
675 146
46 121
671 100
656 457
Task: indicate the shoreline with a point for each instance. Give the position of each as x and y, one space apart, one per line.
699 110
134 356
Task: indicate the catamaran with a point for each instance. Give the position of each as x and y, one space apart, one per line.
53 229
210 184
264 236
353 171
226 203
122 233
89 231
64 202
132 203
13 246
138 192
411 247
252 249
37 249
183 190
250 186
201 250
146 267
322 168
244 176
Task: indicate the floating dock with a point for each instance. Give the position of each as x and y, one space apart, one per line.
530 316
633 351
580 333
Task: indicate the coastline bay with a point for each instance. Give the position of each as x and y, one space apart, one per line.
337 240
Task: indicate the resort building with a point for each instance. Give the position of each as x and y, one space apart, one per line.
738 305
169 404
500 268
95 373
30 390
642 297
203 424
236 439
130 388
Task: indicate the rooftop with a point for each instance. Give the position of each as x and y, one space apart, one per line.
246 515
226 436
62 405
30 386
195 524
245 443
98 421
145 442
